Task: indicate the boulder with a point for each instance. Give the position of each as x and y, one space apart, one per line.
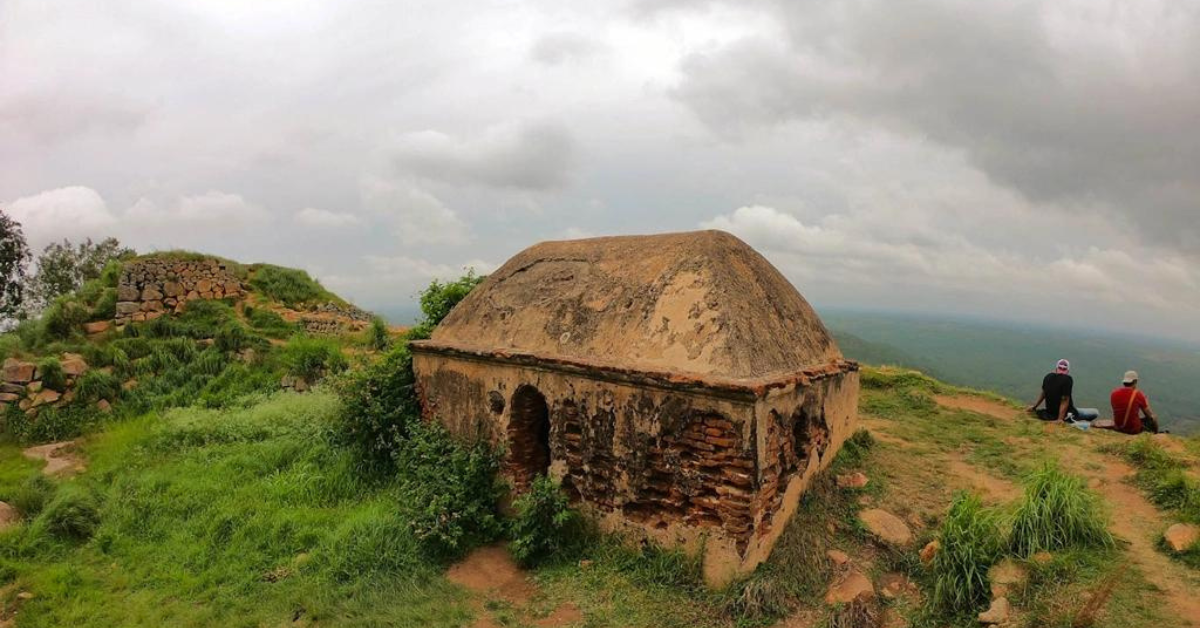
172 289
18 372
853 480
854 586
152 306
9 397
34 387
12 389
886 527
151 294
125 308
126 292
73 365
838 557
104 406
997 613
98 327
46 397
1181 537
204 285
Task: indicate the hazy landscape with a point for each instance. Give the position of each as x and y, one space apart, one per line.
1011 358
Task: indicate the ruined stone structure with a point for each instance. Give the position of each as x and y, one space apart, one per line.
677 384
151 287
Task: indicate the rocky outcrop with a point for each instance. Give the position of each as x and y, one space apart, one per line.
22 384
151 287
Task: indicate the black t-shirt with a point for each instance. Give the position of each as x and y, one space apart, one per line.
1056 386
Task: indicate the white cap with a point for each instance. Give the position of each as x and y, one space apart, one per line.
1130 377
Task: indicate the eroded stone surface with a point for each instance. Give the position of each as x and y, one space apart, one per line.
1182 536
886 527
852 586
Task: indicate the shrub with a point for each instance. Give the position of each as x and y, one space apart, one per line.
63 319
31 497
971 542
105 307
231 337
451 491
204 317
73 514
50 371
289 286
439 298
544 525
377 335
1057 512
312 358
95 385
379 410
50 424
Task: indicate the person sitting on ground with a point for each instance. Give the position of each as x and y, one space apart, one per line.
1057 389
1131 408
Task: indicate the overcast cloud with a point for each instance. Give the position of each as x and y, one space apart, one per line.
1023 160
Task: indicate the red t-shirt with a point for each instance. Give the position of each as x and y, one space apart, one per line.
1131 424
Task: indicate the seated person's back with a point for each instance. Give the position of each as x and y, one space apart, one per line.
1129 405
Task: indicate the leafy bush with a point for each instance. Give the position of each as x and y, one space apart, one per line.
971 542
231 337
544 525
312 358
439 298
1057 512
31 497
73 514
377 335
451 491
289 286
105 307
63 319
50 371
95 385
379 410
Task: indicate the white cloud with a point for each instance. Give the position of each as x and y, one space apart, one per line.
523 156
419 217
210 209
73 212
314 217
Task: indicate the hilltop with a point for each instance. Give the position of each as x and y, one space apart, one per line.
217 489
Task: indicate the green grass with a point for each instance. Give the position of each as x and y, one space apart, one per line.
234 518
1163 477
292 287
1058 512
971 542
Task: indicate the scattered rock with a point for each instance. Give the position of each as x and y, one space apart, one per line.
1181 536
887 527
997 613
893 585
9 516
104 406
853 480
9 397
47 396
929 551
1006 575
18 372
73 365
585 564
850 588
61 459
129 384
34 387
838 557
25 595
1042 558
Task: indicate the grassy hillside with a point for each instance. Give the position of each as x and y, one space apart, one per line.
1011 360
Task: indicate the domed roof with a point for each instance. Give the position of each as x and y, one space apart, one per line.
700 302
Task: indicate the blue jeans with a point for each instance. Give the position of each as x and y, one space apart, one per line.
1086 414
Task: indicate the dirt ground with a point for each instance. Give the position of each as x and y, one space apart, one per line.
502 592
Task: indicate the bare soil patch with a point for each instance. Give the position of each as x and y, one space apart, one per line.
980 405
494 579
62 459
993 489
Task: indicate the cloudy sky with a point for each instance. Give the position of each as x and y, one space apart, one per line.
1015 160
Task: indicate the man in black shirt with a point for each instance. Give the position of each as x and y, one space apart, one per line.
1057 391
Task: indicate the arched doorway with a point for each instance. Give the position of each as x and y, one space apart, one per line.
528 436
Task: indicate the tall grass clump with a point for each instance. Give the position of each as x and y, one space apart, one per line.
971 542
50 371
312 358
1056 512
95 385
72 515
378 337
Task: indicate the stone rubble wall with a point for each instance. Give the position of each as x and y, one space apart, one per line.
152 287
22 385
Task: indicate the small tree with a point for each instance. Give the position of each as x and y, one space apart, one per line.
63 268
439 298
14 260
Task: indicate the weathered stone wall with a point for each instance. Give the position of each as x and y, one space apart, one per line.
713 469
22 385
151 287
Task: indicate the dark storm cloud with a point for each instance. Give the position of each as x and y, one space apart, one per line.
1091 105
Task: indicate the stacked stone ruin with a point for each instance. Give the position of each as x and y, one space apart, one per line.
150 288
22 385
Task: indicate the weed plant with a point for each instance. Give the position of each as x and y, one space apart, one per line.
544 526
971 542
1057 512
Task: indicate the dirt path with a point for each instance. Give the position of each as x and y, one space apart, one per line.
62 459
994 490
1137 521
499 586
982 405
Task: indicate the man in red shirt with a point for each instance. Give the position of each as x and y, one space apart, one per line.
1129 404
